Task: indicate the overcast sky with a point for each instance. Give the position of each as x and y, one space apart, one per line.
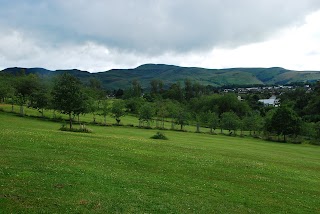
98 35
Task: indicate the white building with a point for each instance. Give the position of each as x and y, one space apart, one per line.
272 101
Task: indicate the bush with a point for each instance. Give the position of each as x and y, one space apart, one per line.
82 128
315 142
160 136
56 118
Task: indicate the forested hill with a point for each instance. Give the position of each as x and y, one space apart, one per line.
121 78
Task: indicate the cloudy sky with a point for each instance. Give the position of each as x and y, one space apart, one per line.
97 35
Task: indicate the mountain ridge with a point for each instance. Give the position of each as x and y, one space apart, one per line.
121 78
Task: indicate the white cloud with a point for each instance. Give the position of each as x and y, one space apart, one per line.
293 48
100 35
15 47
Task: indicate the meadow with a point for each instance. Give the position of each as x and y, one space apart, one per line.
121 170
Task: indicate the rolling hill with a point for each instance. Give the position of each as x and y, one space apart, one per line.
121 78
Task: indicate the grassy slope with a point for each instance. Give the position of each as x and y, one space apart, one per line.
87 118
117 169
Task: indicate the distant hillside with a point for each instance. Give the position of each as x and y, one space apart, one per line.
121 78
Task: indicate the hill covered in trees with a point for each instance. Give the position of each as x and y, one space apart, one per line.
169 74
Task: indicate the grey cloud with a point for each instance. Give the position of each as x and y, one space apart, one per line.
153 26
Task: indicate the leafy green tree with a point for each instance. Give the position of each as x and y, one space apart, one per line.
95 84
230 102
6 88
182 116
227 103
212 120
173 109
285 121
156 87
161 111
201 119
93 108
298 99
268 127
309 130
253 102
68 96
242 108
188 89
118 93
175 92
204 103
230 121
198 90
94 94
40 100
104 109
313 107
88 105
253 122
134 104
198 117
25 85
137 89
146 114
118 110
317 130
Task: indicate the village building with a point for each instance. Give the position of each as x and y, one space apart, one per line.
272 101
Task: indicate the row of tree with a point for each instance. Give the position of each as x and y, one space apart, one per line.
179 105
65 94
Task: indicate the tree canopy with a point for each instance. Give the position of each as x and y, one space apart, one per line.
68 96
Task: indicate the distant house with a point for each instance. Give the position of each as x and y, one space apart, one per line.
240 98
272 101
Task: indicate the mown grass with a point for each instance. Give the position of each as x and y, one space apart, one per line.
88 118
122 170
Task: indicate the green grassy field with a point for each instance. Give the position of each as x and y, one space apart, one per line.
122 170
88 118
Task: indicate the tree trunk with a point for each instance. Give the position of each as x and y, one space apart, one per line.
21 110
198 127
211 130
70 121
94 118
12 107
42 114
181 127
284 138
105 120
